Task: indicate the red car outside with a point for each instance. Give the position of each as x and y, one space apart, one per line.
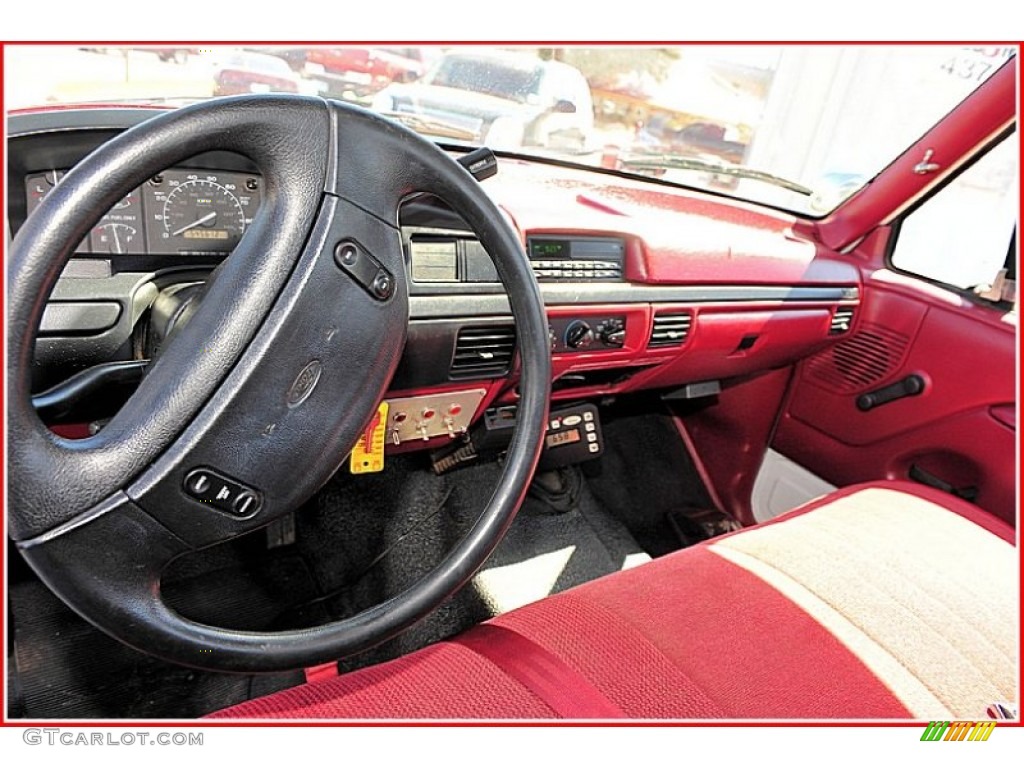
355 72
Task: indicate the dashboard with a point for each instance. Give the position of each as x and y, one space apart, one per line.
647 286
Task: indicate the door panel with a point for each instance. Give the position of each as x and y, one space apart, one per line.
960 429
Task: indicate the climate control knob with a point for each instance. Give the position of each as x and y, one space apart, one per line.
578 335
612 332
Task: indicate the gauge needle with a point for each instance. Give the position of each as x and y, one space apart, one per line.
208 217
117 240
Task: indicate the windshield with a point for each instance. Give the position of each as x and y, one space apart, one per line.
799 127
486 75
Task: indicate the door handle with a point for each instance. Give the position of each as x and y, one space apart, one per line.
912 385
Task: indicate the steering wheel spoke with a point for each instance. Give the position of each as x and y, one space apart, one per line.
318 366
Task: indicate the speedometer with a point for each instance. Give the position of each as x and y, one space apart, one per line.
199 214
203 210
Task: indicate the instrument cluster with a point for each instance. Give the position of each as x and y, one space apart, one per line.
179 212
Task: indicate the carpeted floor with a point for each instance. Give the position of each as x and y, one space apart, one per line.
646 475
416 517
361 540
67 669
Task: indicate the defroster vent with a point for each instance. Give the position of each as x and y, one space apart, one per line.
670 329
483 352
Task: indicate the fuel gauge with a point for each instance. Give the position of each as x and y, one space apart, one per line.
116 238
119 231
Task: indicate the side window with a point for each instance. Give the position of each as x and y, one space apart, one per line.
961 235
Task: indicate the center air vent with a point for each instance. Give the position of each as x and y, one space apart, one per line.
842 321
483 352
670 329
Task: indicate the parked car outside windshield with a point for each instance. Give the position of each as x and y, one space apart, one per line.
504 99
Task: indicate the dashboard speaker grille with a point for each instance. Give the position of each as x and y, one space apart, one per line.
856 363
483 352
671 329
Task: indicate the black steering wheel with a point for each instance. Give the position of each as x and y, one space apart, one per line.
268 386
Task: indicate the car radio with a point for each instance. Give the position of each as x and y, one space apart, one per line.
556 257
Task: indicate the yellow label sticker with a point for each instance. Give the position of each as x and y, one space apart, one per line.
368 455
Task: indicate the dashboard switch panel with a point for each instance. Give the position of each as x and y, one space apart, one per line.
573 436
587 334
444 414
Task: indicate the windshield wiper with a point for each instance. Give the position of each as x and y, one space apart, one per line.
432 126
661 161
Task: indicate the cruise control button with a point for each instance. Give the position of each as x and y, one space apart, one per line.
224 494
245 503
197 483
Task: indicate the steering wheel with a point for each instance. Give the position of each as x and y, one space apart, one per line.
268 386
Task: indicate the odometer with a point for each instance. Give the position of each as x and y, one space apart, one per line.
202 209
197 213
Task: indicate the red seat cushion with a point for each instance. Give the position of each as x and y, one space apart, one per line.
690 635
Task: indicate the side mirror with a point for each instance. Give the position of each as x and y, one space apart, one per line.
564 107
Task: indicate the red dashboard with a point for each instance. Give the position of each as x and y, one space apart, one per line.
667 288
738 291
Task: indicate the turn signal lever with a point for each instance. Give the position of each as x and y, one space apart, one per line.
481 163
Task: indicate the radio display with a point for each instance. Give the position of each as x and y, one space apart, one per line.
566 257
550 249
563 438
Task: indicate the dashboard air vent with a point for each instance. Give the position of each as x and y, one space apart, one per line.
842 321
670 329
857 362
483 351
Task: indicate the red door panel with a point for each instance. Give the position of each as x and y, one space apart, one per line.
960 429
